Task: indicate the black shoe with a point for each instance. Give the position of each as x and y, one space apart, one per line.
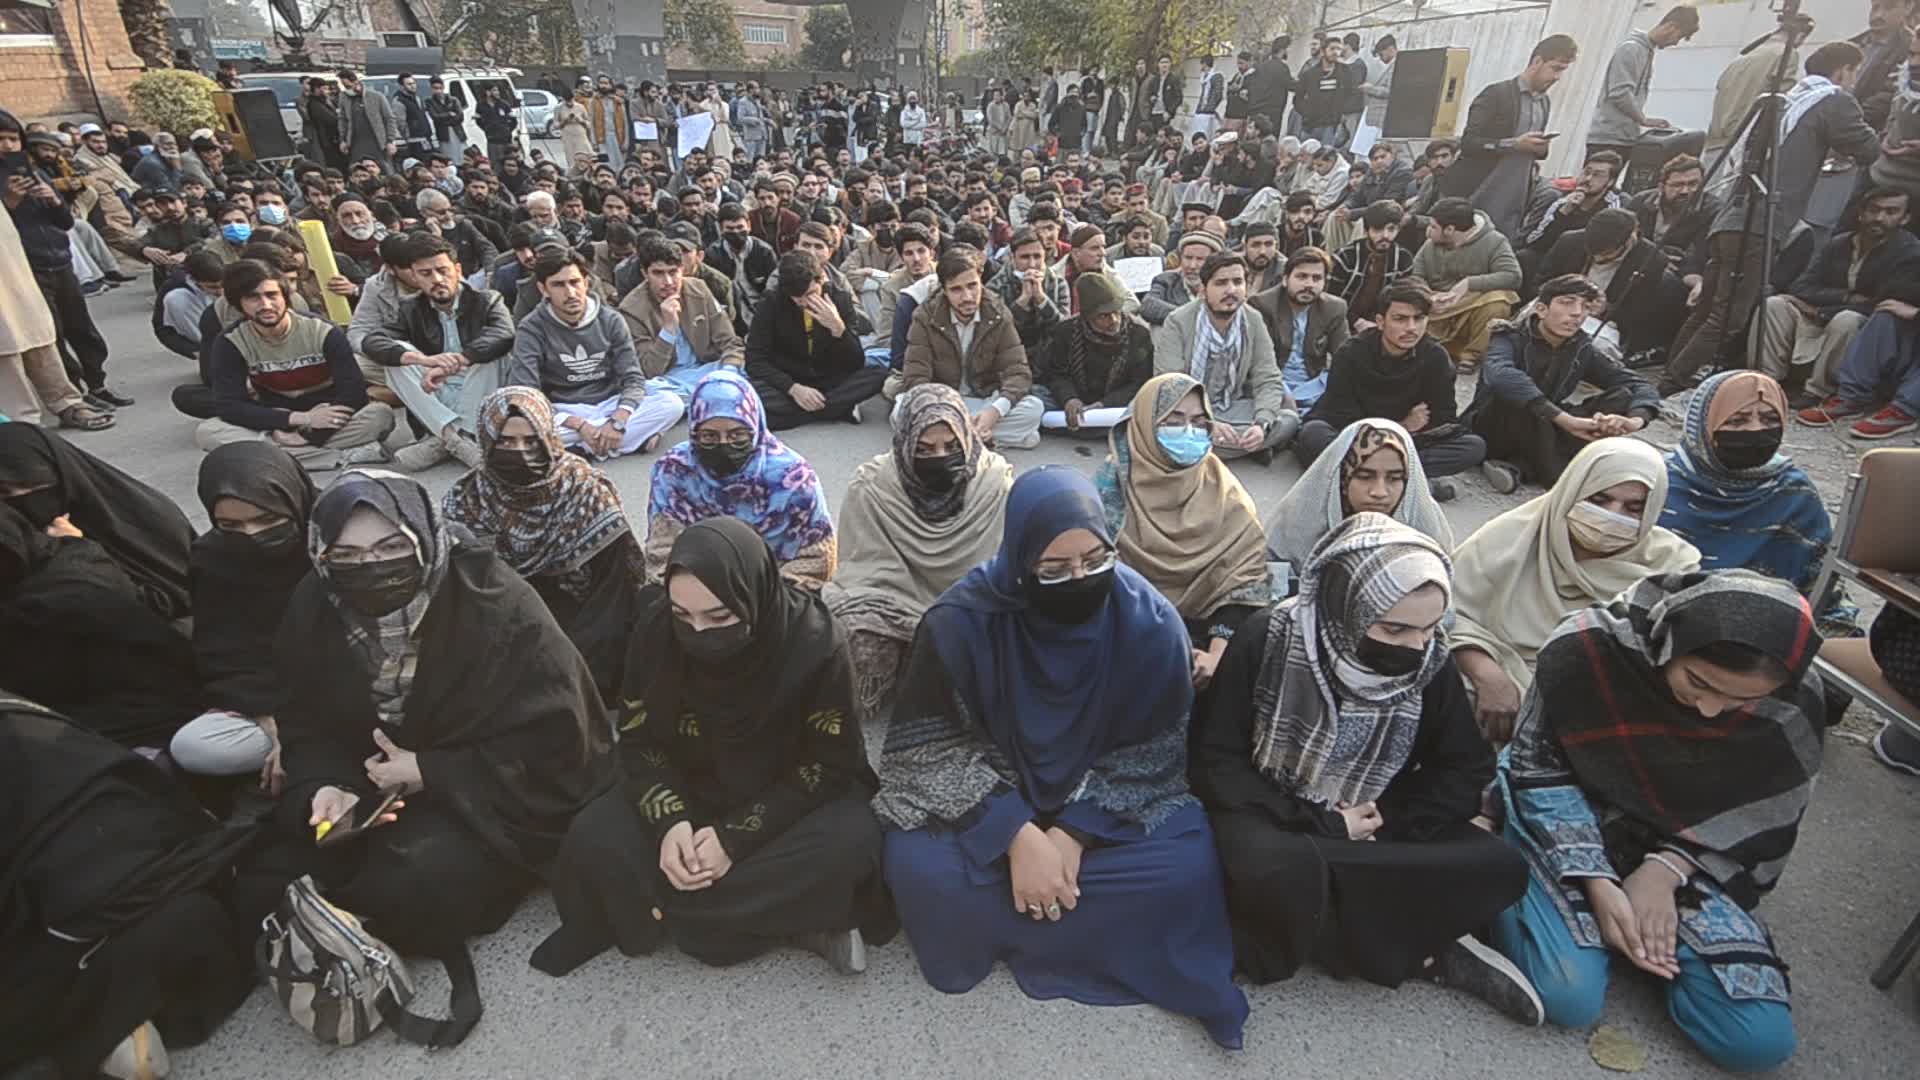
1262 456
1478 969
103 398
1806 401
119 278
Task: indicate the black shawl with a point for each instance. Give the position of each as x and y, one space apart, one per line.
140 528
501 709
239 592
79 638
93 838
754 744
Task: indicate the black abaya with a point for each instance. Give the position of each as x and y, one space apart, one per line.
511 737
764 746
141 529
1298 889
110 909
80 639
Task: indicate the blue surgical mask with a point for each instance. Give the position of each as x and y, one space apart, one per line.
272 214
1186 445
236 232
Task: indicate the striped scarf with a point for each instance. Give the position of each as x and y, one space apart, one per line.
1327 729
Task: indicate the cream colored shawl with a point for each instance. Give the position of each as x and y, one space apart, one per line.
1516 578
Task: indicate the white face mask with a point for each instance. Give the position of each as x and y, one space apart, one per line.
1601 531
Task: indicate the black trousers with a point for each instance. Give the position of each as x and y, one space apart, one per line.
424 884
183 966
74 324
843 394
195 399
1444 456
1728 299
1375 910
822 874
1536 447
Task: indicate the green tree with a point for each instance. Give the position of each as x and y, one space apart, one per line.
544 32
706 27
829 37
1112 33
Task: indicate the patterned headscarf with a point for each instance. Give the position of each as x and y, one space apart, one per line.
921 408
385 644
1217 357
776 491
553 526
1328 729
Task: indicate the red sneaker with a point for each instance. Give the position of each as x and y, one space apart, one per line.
1885 424
1825 413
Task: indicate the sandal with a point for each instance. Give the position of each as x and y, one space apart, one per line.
652 444
85 418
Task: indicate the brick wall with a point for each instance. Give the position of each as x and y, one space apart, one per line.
49 82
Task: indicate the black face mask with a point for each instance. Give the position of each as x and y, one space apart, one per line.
715 645
39 507
941 474
1387 658
279 541
1072 601
723 460
521 468
377 588
1747 449
736 241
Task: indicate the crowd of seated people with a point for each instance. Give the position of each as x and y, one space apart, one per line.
1132 733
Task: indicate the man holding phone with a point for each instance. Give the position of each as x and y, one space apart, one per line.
1506 136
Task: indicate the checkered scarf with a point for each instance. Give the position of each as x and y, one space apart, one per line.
1729 790
1327 729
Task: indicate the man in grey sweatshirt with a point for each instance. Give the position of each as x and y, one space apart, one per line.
581 355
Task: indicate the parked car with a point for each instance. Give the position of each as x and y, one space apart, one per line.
536 111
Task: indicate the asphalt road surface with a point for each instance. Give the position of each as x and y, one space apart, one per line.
1853 885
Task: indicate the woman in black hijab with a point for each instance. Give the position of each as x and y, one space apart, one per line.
244 572
414 659
44 477
742 822
112 922
80 639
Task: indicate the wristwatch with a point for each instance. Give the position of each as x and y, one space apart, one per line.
616 423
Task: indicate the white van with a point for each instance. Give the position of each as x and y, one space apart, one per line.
465 84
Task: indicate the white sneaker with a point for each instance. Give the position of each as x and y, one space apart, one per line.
373 453
140 1056
421 456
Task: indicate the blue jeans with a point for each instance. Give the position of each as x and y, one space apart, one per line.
1737 1035
1886 350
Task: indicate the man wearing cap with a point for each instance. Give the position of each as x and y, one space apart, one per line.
1215 339
1140 205
1022 203
1087 256
1098 359
1176 287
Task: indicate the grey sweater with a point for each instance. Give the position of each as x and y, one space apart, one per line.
1486 262
577 365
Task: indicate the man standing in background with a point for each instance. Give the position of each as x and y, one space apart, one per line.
1213 94
1620 115
1379 85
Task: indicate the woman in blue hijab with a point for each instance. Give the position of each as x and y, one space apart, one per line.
1034 778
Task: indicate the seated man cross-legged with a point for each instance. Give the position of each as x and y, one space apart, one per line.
680 331
964 337
581 355
449 361
803 356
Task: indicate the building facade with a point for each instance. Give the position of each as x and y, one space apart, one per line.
62 59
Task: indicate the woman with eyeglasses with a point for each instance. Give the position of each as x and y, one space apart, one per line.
913 522
1339 759
414 660
557 520
1663 762
1033 783
1181 518
732 466
742 821
244 572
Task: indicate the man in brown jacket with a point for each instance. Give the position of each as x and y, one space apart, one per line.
964 337
679 330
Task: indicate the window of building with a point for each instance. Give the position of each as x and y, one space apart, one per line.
26 21
761 34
